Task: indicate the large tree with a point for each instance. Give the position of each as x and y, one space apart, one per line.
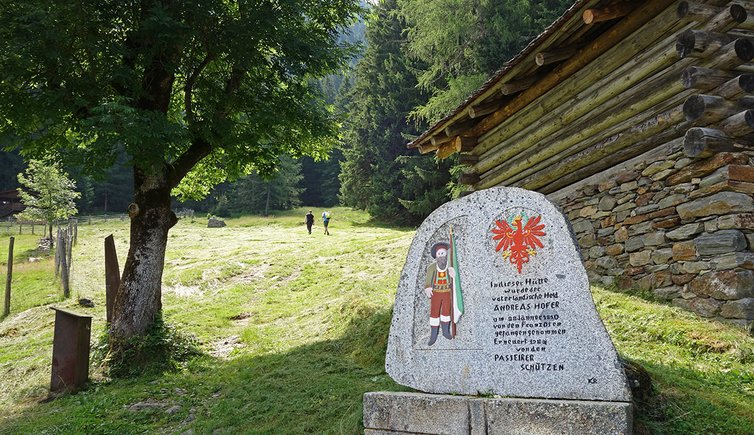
373 175
194 91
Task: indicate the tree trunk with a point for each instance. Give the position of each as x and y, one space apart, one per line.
139 298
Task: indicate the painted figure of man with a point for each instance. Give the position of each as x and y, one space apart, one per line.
438 286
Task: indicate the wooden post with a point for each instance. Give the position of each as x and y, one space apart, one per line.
76 232
57 253
64 266
112 276
8 278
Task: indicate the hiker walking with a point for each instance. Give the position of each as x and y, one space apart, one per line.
309 221
326 220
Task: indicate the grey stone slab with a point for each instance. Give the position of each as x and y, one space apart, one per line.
685 231
720 242
529 328
419 413
546 417
717 204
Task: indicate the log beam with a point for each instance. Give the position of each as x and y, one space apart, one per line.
741 85
700 143
700 44
622 29
464 144
467 159
461 127
696 11
607 13
704 79
708 108
547 57
738 125
446 150
479 110
440 139
743 18
515 86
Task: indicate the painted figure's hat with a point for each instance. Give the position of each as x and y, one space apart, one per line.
436 246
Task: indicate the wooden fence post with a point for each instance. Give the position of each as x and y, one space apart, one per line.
57 253
6 309
64 265
112 276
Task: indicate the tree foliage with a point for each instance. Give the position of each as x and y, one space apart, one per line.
383 93
223 83
47 193
462 42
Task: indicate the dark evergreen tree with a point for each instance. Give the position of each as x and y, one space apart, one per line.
384 93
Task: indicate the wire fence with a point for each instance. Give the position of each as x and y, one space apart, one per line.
11 225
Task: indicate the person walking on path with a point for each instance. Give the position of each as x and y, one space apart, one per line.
309 221
326 220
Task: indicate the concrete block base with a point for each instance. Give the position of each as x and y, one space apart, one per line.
421 413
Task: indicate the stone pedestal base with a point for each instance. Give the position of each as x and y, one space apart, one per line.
408 413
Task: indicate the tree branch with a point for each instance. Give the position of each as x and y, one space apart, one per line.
198 150
188 90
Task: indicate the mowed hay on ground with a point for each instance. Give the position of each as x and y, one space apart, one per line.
294 328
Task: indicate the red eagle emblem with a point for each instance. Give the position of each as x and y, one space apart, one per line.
518 242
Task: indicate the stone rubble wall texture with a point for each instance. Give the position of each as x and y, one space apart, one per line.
680 228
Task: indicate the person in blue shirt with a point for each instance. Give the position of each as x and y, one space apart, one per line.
326 220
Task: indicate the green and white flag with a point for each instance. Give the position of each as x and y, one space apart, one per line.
457 293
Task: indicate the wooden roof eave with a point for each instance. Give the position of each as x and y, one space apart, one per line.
520 67
565 69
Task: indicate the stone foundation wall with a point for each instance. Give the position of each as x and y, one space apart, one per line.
681 228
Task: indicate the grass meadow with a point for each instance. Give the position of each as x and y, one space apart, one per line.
293 329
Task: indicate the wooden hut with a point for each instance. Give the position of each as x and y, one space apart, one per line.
10 203
637 118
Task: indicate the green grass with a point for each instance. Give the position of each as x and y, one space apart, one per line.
294 329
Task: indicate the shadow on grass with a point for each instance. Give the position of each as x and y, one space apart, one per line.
313 388
318 388
688 401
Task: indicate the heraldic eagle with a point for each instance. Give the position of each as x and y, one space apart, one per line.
517 242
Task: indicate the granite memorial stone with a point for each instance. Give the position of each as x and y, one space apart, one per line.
494 299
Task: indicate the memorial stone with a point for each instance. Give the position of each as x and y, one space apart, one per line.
494 300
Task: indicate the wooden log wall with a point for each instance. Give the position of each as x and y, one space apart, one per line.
686 68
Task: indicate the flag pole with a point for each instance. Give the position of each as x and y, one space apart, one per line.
453 290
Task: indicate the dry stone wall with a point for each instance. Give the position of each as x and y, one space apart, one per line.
680 228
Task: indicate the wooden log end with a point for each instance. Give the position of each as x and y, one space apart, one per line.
693 108
682 10
685 44
588 16
749 117
699 143
746 82
744 49
738 13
